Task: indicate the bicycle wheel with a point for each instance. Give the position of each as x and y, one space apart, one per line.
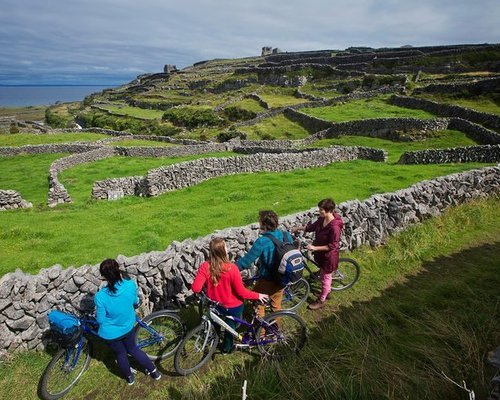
346 275
162 335
295 294
64 370
281 334
196 349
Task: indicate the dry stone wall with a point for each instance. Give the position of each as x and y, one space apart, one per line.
74 147
11 200
482 86
484 154
57 192
448 110
387 128
164 276
189 173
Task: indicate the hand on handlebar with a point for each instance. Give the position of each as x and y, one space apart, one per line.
263 298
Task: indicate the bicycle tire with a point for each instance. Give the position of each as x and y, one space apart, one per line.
59 377
286 332
196 349
295 294
347 274
166 323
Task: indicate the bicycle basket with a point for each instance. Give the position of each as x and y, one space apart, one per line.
66 340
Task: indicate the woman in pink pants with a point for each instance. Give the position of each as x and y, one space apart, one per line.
327 229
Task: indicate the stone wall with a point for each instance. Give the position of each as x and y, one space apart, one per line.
387 128
475 131
163 276
189 173
57 192
11 200
448 110
178 151
75 147
474 88
485 154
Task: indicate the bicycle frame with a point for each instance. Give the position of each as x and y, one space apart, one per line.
155 336
88 326
246 339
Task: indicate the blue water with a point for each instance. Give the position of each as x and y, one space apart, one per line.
20 96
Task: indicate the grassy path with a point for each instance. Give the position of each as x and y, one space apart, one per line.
426 302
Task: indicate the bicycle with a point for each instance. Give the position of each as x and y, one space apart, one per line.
158 335
346 275
275 335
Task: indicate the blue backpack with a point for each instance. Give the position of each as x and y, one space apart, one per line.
288 261
63 323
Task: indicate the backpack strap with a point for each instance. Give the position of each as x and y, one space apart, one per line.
276 242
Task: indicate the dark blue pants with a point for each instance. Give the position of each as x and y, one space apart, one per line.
227 342
124 345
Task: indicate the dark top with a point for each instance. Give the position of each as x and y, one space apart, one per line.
328 235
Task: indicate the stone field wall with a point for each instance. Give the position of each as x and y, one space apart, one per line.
12 200
448 110
483 154
189 173
165 276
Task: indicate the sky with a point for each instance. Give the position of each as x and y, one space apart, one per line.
110 42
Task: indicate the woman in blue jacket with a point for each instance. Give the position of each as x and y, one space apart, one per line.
115 313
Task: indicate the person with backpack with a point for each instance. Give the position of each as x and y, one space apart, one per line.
325 247
115 313
264 250
224 285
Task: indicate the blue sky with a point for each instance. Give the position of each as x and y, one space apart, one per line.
112 41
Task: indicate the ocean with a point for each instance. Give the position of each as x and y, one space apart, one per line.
23 96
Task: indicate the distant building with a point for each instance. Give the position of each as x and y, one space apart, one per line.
266 51
169 68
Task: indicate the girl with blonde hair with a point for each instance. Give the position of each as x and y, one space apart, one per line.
224 285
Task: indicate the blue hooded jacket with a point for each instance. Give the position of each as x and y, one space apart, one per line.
115 312
263 249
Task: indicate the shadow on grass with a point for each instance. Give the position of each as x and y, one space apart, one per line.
394 346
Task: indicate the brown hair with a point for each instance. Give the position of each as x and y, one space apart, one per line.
327 204
268 219
217 258
110 270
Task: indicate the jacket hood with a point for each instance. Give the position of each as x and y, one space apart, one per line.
337 220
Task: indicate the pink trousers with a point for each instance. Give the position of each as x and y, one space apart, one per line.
326 284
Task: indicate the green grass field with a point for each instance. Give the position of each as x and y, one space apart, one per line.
278 127
362 109
21 139
78 234
28 175
425 303
482 104
250 105
132 111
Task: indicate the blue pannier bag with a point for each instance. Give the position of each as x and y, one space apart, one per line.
288 261
65 328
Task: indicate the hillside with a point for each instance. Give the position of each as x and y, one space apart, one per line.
238 97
